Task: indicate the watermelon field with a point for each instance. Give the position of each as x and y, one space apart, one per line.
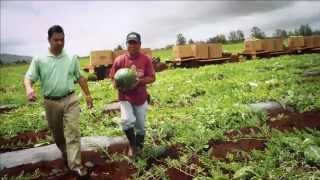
203 123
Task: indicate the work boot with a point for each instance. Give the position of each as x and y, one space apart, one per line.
139 144
132 141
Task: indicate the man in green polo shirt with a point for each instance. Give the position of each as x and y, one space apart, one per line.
57 73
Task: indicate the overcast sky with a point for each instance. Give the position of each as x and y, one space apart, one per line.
104 24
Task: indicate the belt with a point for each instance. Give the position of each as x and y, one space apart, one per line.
58 97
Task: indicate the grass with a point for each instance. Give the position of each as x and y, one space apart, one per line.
85 60
195 105
165 54
11 83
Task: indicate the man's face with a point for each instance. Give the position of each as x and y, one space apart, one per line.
133 47
57 41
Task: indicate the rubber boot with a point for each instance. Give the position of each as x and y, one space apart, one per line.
139 144
132 140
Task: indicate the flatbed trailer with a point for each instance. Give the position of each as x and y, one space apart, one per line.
196 62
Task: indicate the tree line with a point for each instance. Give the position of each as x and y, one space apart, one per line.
238 36
255 32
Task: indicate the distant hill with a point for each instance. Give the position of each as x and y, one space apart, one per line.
11 58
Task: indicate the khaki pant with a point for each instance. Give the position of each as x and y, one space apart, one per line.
63 120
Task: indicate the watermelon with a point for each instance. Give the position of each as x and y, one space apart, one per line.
92 77
307 142
312 154
245 172
125 78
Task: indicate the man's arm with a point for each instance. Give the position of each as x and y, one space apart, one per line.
78 77
32 75
31 95
150 75
84 86
147 79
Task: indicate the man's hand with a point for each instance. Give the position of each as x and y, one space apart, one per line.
89 101
138 81
31 94
84 86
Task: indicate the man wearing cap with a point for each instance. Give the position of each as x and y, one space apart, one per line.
57 72
133 102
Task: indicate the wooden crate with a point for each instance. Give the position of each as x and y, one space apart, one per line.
308 41
316 41
278 44
215 50
295 42
253 45
268 45
118 53
101 57
182 51
200 51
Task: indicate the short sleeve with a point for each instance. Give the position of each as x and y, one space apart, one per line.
33 71
77 72
149 68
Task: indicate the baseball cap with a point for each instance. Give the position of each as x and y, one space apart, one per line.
133 36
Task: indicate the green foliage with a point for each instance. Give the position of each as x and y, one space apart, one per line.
192 106
163 54
246 172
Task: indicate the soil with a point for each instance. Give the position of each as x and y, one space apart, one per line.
186 172
22 140
282 120
289 121
177 174
102 168
219 148
99 168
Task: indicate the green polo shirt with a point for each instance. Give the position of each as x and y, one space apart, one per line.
57 74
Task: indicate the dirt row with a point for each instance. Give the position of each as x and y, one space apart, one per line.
23 140
243 140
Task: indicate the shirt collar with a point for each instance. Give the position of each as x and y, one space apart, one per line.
59 56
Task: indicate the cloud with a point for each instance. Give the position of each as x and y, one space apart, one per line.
104 24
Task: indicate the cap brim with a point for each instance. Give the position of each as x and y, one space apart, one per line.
133 39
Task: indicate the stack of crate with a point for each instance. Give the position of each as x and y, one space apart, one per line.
272 44
253 45
198 51
101 57
295 42
312 41
215 50
181 52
